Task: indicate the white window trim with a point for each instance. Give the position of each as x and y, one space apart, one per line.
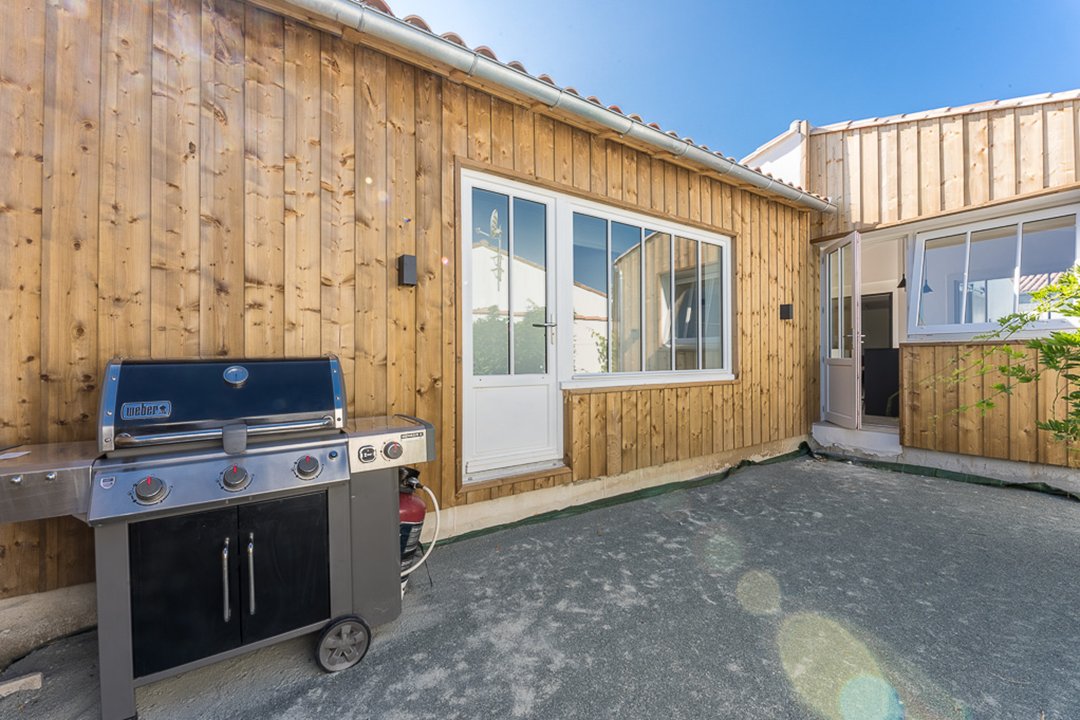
652 377
962 331
565 205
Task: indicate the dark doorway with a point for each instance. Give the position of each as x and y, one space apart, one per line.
881 361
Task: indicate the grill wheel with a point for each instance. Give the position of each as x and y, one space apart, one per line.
342 644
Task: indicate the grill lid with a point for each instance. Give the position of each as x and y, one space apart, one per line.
153 402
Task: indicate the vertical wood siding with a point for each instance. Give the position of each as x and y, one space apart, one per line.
190 178
906 170
929 417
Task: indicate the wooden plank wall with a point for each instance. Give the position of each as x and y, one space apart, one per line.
205 178
929 417
614 431
898 171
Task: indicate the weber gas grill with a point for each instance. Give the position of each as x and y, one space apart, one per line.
233 506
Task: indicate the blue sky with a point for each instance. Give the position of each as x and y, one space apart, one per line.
732 74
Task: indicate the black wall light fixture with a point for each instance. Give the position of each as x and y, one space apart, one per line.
406 270
787 311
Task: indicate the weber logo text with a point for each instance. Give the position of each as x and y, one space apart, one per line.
146 410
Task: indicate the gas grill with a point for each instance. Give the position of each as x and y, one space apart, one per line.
234 505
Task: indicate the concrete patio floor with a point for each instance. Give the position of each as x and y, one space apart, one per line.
801 589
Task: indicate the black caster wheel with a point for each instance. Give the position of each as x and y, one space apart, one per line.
342 643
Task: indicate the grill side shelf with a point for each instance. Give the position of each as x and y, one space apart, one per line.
45 481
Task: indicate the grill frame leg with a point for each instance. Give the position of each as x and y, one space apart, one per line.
115 670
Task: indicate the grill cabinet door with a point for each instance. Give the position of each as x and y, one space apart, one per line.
182 588
286 572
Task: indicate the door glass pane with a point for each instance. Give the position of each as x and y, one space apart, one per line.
1049 248
491 283
712 294
625 298
657 300
991 262
590 294
847 274
835 315
528 292
686 314
941 294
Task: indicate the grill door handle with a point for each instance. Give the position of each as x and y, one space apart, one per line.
128 440
251 573
225 580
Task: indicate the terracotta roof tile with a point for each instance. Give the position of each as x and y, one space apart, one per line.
380 6
418 22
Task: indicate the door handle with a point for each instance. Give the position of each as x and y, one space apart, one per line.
251 573
545 324
225 580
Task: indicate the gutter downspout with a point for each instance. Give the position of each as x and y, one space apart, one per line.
365 19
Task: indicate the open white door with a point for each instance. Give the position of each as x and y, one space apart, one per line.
510 396
841 352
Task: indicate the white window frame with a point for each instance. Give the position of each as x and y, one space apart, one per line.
966 331
566 206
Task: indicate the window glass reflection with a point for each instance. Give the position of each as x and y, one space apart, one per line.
590 294
712 293
941 296
491 283
625 298
686 313
658 291
991 260
1049 249
529 287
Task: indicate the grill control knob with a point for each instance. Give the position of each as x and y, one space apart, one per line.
235 478
149 490
366 454
307 467
392 450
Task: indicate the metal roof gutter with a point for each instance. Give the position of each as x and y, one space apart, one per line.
365 19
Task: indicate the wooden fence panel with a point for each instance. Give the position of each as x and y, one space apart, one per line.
933 402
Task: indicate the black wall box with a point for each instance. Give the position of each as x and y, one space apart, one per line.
406 270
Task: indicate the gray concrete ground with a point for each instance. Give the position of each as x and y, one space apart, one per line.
803 589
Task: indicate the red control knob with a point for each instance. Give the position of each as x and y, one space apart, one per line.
392 450
235 478
307 467
150 490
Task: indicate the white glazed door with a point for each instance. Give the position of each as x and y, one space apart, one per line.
841 339
510 395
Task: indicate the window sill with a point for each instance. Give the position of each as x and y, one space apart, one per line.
509 476
623 380
976 335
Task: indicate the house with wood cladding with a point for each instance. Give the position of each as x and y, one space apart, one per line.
599 305
946 221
